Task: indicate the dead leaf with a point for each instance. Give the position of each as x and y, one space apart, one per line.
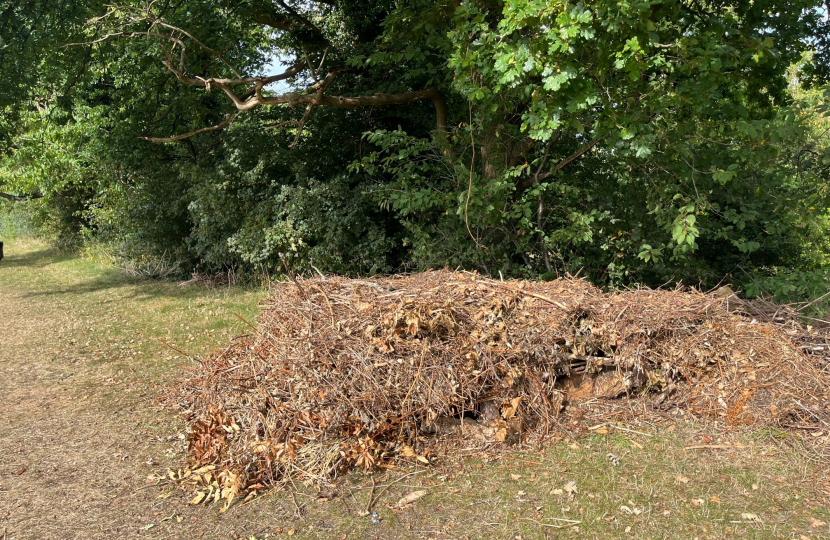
422 459
682 479
570 488
715 500
815 523
515 476
697 502
747 516
410 498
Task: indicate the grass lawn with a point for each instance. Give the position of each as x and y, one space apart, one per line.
86 349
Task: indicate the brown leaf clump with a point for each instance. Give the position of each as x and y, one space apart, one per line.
352 373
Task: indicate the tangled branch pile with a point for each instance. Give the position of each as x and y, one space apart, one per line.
345 373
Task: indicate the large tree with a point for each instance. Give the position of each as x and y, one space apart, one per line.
642 140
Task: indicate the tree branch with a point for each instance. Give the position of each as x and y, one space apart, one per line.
217 127
254 97
562 164
540 216
578 154
290 21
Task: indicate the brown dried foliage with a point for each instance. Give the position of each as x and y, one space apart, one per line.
346 373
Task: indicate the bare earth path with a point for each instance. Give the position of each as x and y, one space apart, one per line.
80 364
77 430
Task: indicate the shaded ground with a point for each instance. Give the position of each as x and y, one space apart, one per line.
80 363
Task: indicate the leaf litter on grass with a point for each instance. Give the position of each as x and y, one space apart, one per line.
346 374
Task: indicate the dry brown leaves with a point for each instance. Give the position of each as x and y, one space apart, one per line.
347 373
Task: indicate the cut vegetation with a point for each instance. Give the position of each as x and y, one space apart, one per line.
348 373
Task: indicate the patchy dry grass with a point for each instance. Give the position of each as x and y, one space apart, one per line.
81 361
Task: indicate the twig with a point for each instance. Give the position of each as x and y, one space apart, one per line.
387 486
297 506
533 294
714 447
294 279
326 298
615 426
819 299
522 460
797 402
174 348
470 187
570 522
241 318
371 498
322 276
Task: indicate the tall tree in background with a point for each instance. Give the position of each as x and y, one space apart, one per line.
642 140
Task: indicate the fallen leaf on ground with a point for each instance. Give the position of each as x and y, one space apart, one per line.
750 517
410 498
682 479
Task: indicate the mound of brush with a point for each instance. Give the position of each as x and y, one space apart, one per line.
352 373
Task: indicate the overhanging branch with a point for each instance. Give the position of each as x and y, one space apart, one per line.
173 45
230 118
315 95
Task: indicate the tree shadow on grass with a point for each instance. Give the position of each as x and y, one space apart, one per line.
141 287
39 259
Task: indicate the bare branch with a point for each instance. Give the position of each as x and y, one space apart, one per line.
254 97
217 127
283 124
536 178
301 125
215 53
578 154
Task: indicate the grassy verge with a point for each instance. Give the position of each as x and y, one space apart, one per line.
81 359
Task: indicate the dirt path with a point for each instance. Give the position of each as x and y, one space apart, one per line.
79 431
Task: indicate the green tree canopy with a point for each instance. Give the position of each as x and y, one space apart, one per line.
646 141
